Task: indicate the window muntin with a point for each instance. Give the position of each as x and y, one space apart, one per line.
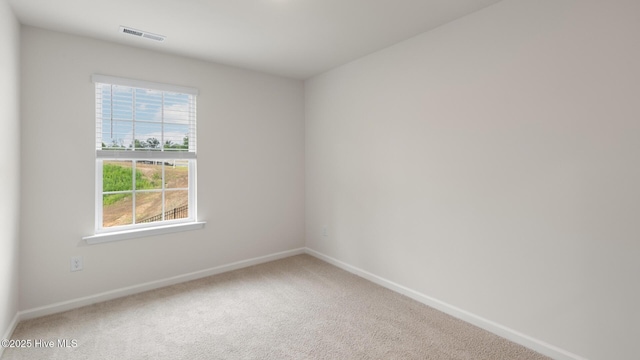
145 154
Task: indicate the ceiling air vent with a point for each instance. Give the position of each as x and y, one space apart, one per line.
142 34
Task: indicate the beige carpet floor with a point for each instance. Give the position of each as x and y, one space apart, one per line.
295 308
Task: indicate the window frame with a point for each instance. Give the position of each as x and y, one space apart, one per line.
120 232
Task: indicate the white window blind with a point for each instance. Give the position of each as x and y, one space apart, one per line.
136 119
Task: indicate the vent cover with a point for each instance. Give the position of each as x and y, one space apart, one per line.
141 34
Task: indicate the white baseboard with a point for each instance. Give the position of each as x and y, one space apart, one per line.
135 289
9 331
502 331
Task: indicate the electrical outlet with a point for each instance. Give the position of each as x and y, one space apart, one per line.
76 263
325 232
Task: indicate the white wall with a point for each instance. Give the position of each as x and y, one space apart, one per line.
250 168
493 164
10 173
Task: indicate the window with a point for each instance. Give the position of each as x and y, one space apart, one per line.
145 154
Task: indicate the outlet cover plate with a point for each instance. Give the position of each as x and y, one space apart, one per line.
76 263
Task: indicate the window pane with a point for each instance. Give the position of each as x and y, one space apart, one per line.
116 134
148 207
176 204
176 137
176 108
122 103
176 174
148 174
117 209
117 175
104 100
148 105
148 135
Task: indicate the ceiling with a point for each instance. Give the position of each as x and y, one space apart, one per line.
293 38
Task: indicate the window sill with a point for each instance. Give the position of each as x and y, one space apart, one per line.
137 233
